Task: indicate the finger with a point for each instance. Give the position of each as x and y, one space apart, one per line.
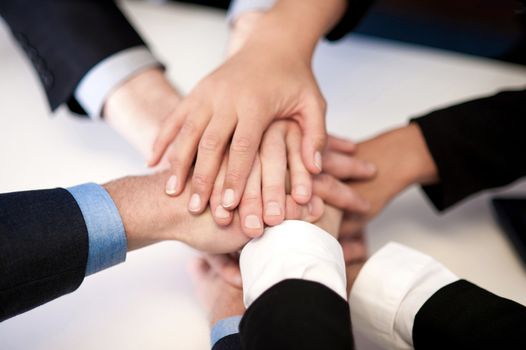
314 135
352 225
209 157
301 179
198 267
311 212
226 267
345 167
169 129
274 171
338 144
183 149
250 208
222 217
354 250
339 194
245 144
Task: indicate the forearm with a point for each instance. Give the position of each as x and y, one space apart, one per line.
299 24
137 108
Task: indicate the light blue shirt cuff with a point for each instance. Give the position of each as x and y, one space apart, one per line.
224 328
95 87
238 7
107 239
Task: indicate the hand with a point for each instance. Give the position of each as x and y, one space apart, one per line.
219 299
402 159
269 78
264 200
149 216
137 108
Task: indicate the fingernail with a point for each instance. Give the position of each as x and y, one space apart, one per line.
252 221
301 190
273 209
171 185
228 198
195 202
221 213
317 160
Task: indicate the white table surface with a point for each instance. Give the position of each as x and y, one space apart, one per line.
148 302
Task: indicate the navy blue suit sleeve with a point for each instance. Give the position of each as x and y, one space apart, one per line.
43 248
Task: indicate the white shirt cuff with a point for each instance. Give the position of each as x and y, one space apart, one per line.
238 7
103 78
292 250
390 289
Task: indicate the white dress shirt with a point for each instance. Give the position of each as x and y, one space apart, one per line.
386 296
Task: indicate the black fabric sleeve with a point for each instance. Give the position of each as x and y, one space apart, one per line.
64 39
43 248
476 145
297 314
356 10
464 316
230 342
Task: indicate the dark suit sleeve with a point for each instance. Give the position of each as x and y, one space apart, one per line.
43 248
476 145
356 10
297 314
64 39
464 316
230 342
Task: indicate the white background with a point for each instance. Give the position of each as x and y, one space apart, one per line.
148 302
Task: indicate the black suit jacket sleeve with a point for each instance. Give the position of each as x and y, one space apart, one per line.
66 38
476 145
464 316
43 248
296 314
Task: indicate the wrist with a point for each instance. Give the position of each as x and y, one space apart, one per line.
137 108
298 25
148 216
407 157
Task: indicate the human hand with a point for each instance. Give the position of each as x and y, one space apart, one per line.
240 99
137 108
219 299
402 159
355 255
149 216
265 199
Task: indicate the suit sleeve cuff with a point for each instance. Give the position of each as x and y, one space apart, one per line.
238 7
94 88
292 250
390 289
224 328
107 239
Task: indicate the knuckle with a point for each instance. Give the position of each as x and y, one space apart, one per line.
209 143
242 144
188 128
234 176
201 181
274 190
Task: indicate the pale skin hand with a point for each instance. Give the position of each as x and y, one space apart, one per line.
149 216
137 108
269 77
402 159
